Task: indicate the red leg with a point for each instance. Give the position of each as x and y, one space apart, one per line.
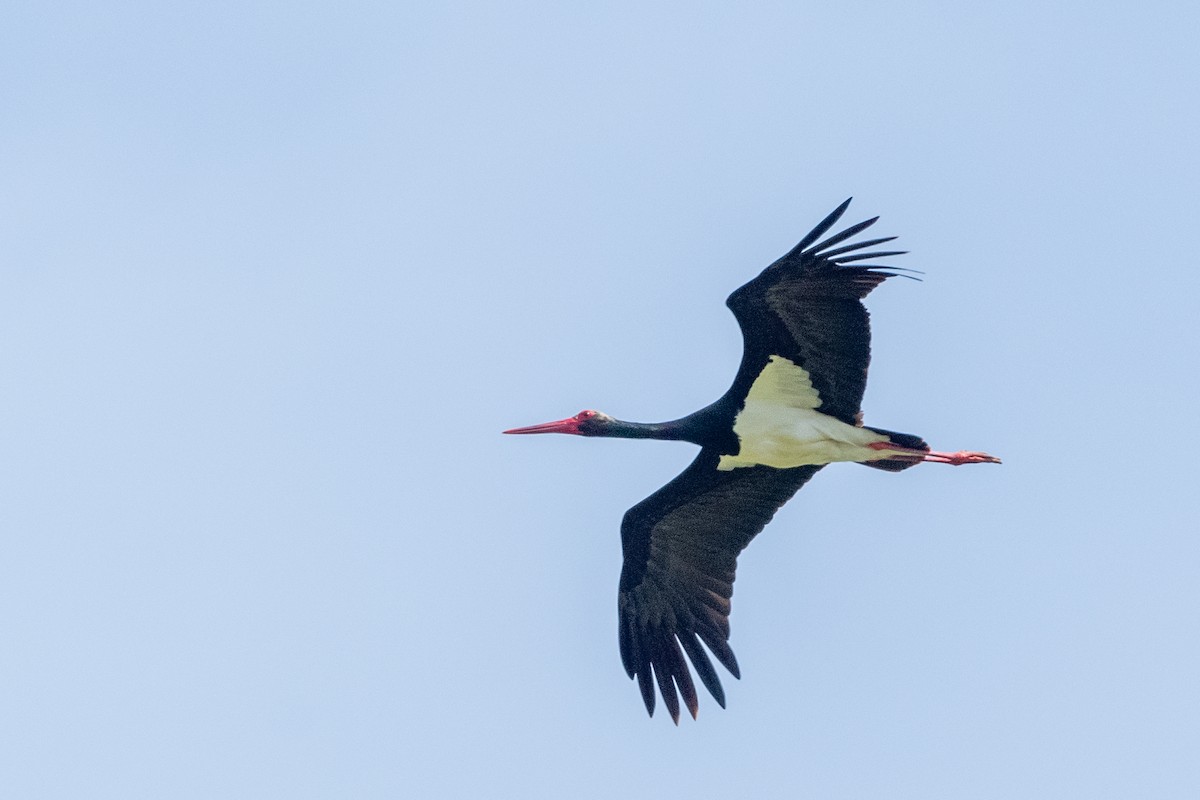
960 458
934 457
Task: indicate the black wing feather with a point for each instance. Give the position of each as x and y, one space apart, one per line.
822 226
681 546
807 308
874 254
838 238
858 246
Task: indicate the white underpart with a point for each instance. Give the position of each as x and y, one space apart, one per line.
779 426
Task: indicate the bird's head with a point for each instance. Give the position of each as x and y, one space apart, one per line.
585 423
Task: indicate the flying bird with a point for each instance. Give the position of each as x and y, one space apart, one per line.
794 407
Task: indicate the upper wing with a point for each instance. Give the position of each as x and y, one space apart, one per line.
805 307
681 546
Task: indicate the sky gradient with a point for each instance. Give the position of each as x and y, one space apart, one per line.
273 278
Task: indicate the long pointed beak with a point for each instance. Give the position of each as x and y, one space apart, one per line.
568 425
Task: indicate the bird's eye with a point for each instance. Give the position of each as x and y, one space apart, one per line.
582 415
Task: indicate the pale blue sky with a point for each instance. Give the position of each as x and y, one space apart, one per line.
274 277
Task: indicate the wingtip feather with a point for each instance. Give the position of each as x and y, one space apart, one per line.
683 676
873 254
667 689
837 238
822 226
704 668
646 686
859 246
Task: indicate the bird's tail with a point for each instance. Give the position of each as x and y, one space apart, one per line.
901 439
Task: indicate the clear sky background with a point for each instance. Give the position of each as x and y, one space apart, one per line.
273 278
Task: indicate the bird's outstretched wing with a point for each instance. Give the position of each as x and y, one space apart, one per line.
681 546
806 307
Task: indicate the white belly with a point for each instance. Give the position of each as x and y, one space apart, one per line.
786 438
779 426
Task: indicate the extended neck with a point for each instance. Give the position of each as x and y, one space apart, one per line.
710 426
670 431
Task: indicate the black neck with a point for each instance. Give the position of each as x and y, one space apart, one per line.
709 426
620 429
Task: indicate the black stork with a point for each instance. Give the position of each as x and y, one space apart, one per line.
794 407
